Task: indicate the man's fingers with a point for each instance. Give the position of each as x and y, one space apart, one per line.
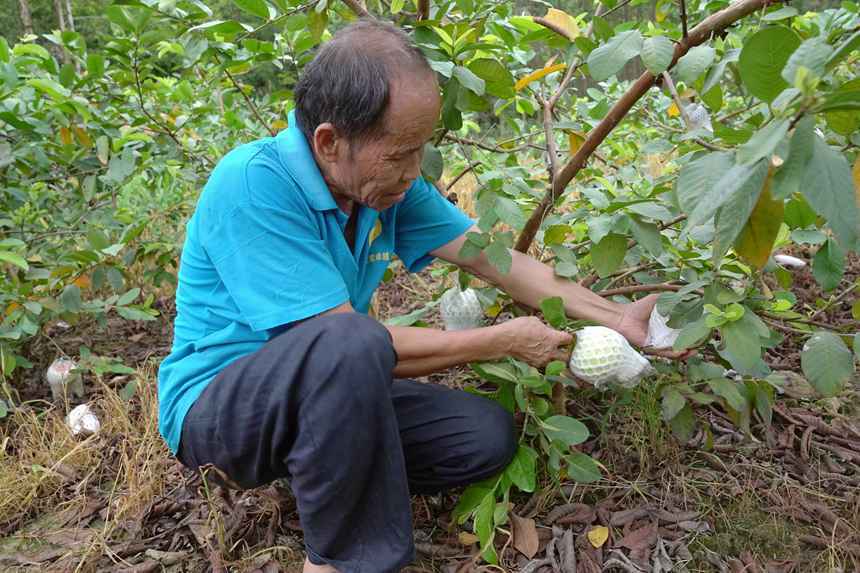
560 354
671 354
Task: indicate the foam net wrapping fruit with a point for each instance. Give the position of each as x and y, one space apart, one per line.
603 357
461 309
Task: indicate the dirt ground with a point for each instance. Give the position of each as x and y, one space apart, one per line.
784 498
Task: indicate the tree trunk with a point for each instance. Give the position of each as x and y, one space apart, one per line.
61 20
70 20
26 18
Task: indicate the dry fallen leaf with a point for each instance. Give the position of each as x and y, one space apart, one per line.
467 538
598 535
525 535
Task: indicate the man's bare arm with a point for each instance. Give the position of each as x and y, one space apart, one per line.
422 351
530 281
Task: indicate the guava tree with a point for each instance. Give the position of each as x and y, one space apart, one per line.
670 147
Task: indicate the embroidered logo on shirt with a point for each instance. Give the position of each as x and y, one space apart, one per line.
377 230
376 257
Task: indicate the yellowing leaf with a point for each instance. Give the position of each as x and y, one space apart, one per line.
563 22
82 282
576 139
13 306
660 15
66 135
279 125
756 239
83 136
673 110
598 535
538 74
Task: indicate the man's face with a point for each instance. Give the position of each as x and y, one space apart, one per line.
378 171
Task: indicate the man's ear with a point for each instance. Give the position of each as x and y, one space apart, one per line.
327 143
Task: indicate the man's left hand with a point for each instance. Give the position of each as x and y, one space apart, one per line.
633 325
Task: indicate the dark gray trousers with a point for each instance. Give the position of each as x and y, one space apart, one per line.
318 405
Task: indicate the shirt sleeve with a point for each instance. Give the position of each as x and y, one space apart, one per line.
274 264
426 221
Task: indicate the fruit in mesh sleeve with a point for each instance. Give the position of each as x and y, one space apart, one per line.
603 357
699 117
461 310
660 334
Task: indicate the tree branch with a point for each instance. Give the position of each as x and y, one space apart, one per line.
698 35
683 17
248 101
357 8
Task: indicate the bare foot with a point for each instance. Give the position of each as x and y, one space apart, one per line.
311 568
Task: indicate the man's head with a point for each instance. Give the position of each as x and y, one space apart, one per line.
367 103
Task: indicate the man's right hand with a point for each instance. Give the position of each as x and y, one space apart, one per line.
528 339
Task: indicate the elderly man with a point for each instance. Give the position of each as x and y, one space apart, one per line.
277 372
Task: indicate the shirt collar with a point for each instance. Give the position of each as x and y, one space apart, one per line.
298 159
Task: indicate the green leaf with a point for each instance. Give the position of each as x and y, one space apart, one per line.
131 313
522 469
567 430
763 142
787 180
609 58
497 79
509 212
828 265
128 297
743 343
14 259
647 235
50 87
764 401
553 311
763 58
699 177
828 187
673 403
757 237
736 195
716 73
728 389
608 254
472 497
432 164
95 65
70 298
844 49
657 54
684 423
499 256
556 234
484 524
582 468
812 54
827 363
499 373
694 63
780 14
692 334
468 79
845 98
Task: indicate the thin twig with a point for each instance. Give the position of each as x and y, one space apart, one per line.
838 299
667 79
683 17
462 174
248 101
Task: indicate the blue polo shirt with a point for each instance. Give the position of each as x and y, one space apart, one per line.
266 247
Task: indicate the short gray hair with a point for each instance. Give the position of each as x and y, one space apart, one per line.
347 83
